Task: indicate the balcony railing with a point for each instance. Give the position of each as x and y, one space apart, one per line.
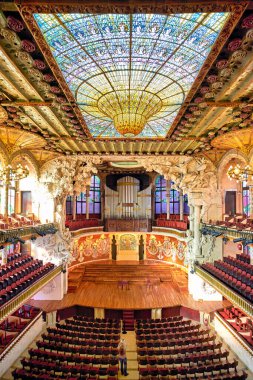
228 293
228 231
39 229
13 304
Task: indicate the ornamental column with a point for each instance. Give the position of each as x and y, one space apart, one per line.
17 198
153 202
74 206
251 201
6 200
191 218
102 189
196 240
87 201
181 205
168 198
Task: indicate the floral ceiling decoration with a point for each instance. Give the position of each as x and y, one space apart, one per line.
130 73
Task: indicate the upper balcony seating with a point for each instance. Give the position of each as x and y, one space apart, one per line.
65 352
173 222
19 273
241 323
17 221
179 356
13 325
74 225
237 221
235 273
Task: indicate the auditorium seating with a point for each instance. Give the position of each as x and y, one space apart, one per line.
174 348
240 323
173 222
237 273
20 272
79 348
17 221
85 223
15 323
237 221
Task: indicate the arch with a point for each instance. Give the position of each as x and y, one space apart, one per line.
231 154
24 153
4 155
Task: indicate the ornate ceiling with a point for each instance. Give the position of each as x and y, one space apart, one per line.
123 79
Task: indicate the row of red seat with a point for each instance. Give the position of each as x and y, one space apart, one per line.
93 328
15 263
245 278
239 264
66 356
199 355
177 224
86 223
243 257
85 341
21 284
71 358
37 374
243 289
241 323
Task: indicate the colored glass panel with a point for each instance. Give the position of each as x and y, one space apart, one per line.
133 70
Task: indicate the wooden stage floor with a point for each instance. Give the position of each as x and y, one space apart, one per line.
137 295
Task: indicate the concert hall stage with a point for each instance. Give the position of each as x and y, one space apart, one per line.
147 285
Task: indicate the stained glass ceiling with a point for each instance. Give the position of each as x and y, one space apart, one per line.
130 74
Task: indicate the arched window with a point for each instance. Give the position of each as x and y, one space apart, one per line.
161 200
245 198
95 196
160 196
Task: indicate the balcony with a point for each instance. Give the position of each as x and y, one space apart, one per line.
14 303
236 299
9 235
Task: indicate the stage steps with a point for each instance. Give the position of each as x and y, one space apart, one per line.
132 273
128 320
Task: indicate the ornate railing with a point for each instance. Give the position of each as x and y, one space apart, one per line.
16 340
13 304
228 293
227 231
39 229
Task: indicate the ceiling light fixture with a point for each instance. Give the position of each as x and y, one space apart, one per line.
239 173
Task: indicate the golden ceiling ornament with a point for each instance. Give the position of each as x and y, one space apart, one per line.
3 115
130 110
238 173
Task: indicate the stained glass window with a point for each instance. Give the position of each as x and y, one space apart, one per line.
69 205
160 196
81 204
130 74
245 198
95 196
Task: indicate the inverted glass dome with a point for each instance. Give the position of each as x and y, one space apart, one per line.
130 74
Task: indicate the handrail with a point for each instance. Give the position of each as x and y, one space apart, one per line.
228 231
19 336
13 304
230 294
236 335
26 230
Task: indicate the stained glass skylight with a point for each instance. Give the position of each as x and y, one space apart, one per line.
130 74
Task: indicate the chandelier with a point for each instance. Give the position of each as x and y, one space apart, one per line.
240 174
130 110
9 174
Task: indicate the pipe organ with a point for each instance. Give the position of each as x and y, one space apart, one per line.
128 201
